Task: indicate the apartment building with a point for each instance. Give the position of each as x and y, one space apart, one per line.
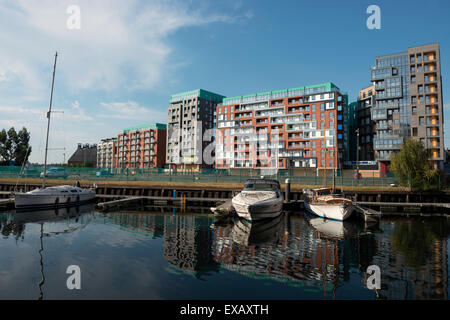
365 124
299 127
190 129
408 97
105 153
141 147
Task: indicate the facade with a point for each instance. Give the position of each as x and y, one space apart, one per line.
291 128
85 155
408 104
350 126
365 124
105 153
141 147
190 129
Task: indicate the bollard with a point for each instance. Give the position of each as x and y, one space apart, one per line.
287 190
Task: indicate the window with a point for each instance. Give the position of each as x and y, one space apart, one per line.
421 121
322 106
413 79
414 110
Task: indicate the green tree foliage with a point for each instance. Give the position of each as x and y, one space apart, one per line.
412 166
14 146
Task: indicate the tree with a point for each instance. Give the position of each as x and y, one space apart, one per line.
14 146
412 166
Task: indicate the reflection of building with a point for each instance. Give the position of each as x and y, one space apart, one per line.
292 128
105 153
85 155
297 257
413 261
188 243
144 224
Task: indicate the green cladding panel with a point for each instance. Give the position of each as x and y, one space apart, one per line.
325 87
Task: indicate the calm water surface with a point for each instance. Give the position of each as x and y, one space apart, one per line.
174 255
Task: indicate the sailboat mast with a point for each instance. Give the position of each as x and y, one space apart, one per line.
48 123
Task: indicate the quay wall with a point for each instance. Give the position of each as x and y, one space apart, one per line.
226 191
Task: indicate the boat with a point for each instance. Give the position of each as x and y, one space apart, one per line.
260 199
56 196
323 203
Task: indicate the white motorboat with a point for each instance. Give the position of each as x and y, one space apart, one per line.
323 203
260 199
59 196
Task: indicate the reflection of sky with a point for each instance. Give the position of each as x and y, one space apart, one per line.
125 262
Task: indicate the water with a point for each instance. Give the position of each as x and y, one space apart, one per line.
158 255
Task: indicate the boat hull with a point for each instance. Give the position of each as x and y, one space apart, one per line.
29 201
330 211
260 210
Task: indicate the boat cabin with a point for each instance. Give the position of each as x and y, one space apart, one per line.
262 185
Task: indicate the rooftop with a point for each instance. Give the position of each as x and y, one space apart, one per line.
146 126
198 93
291 92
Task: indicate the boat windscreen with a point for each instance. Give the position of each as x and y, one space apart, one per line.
260 187
324 192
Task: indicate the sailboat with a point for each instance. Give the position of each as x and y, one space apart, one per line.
324 203
57 196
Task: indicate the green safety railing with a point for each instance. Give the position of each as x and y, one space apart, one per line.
297 176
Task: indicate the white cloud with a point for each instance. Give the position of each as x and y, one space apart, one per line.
131 110
120 43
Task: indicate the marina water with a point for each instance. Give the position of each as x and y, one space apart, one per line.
167 254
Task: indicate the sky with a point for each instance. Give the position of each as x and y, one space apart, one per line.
119 68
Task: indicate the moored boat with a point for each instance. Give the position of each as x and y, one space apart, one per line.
260 199
323 203
59 196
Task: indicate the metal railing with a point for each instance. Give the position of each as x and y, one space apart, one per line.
306 177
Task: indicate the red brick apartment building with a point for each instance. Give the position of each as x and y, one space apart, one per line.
292 128
141 147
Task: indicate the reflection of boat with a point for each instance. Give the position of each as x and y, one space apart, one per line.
51 215
257 232
323 203
331 228
54 196
48 215
260 199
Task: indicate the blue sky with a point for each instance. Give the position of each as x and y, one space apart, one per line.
120 67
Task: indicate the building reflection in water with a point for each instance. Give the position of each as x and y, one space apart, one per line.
319 255
306 252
